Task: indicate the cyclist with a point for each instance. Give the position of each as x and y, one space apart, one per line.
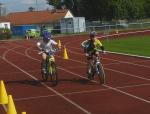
46 45
92 47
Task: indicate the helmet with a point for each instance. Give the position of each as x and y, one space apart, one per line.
46 36
93 33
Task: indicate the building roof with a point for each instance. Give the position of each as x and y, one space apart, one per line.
3 19
37 17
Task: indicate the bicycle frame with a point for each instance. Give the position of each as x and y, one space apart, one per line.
96 68
50 60
50 69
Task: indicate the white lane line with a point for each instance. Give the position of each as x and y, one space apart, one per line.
115 88
49 88
81 92
17 72
135 76
135 64
112 88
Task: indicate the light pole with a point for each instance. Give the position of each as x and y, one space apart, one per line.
1 9
36 5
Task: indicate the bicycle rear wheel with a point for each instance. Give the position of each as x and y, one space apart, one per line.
100 74
54 76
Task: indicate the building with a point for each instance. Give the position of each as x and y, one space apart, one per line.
54 20
4 23
21 21
73 25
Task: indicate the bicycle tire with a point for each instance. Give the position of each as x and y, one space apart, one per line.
101 75
90 71
44 74
54 76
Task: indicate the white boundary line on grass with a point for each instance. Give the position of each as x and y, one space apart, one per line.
138 56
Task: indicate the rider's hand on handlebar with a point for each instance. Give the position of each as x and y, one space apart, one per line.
86 54
104 52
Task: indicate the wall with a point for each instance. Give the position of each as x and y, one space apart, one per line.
5 25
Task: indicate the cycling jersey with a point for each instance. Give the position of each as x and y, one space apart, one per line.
47 47
89 45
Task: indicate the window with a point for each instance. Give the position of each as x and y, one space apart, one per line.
6 25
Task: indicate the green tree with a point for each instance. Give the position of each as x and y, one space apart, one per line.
147 8
106 9
55 3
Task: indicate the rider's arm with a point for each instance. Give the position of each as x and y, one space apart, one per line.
85 45
53 42
39 45
99 45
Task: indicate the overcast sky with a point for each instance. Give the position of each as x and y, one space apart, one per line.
23 5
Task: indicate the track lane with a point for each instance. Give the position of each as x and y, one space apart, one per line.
91 101
75 106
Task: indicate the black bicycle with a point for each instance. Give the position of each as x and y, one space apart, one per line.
96 70
50 69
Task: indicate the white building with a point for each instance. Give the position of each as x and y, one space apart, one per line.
73 25
5 25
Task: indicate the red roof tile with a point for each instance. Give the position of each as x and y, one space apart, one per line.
36 17
3 19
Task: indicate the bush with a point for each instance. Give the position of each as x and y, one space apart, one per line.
5 33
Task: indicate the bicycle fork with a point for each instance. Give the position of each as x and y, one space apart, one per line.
97 66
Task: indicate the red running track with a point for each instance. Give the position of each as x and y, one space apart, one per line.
126 90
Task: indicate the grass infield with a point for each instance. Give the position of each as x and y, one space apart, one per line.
139 45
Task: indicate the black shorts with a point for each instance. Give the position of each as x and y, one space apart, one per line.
91 53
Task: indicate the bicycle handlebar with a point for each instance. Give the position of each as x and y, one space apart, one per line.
49 51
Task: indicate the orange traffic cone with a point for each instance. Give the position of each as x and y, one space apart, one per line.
65 53
3 93
11 107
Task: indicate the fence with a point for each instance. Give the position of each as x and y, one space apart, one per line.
105 28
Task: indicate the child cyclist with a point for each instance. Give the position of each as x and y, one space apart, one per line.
92 47
46 45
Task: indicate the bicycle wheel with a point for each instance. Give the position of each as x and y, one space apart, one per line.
44 71
100 74
91 71
53 72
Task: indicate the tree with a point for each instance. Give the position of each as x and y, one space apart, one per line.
55 3
106 9
147 8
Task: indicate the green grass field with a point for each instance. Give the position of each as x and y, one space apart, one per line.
139 45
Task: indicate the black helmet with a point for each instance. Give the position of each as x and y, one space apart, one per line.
93 33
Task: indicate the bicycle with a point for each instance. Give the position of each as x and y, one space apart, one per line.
96 70
50 68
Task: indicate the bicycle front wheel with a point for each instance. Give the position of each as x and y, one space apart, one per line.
100 74
91 71
53 72
44 72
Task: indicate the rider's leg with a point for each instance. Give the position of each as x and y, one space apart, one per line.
89 70
44 57
97 55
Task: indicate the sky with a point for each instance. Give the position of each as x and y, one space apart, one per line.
23 5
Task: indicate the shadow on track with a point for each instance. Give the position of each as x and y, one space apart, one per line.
26 82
